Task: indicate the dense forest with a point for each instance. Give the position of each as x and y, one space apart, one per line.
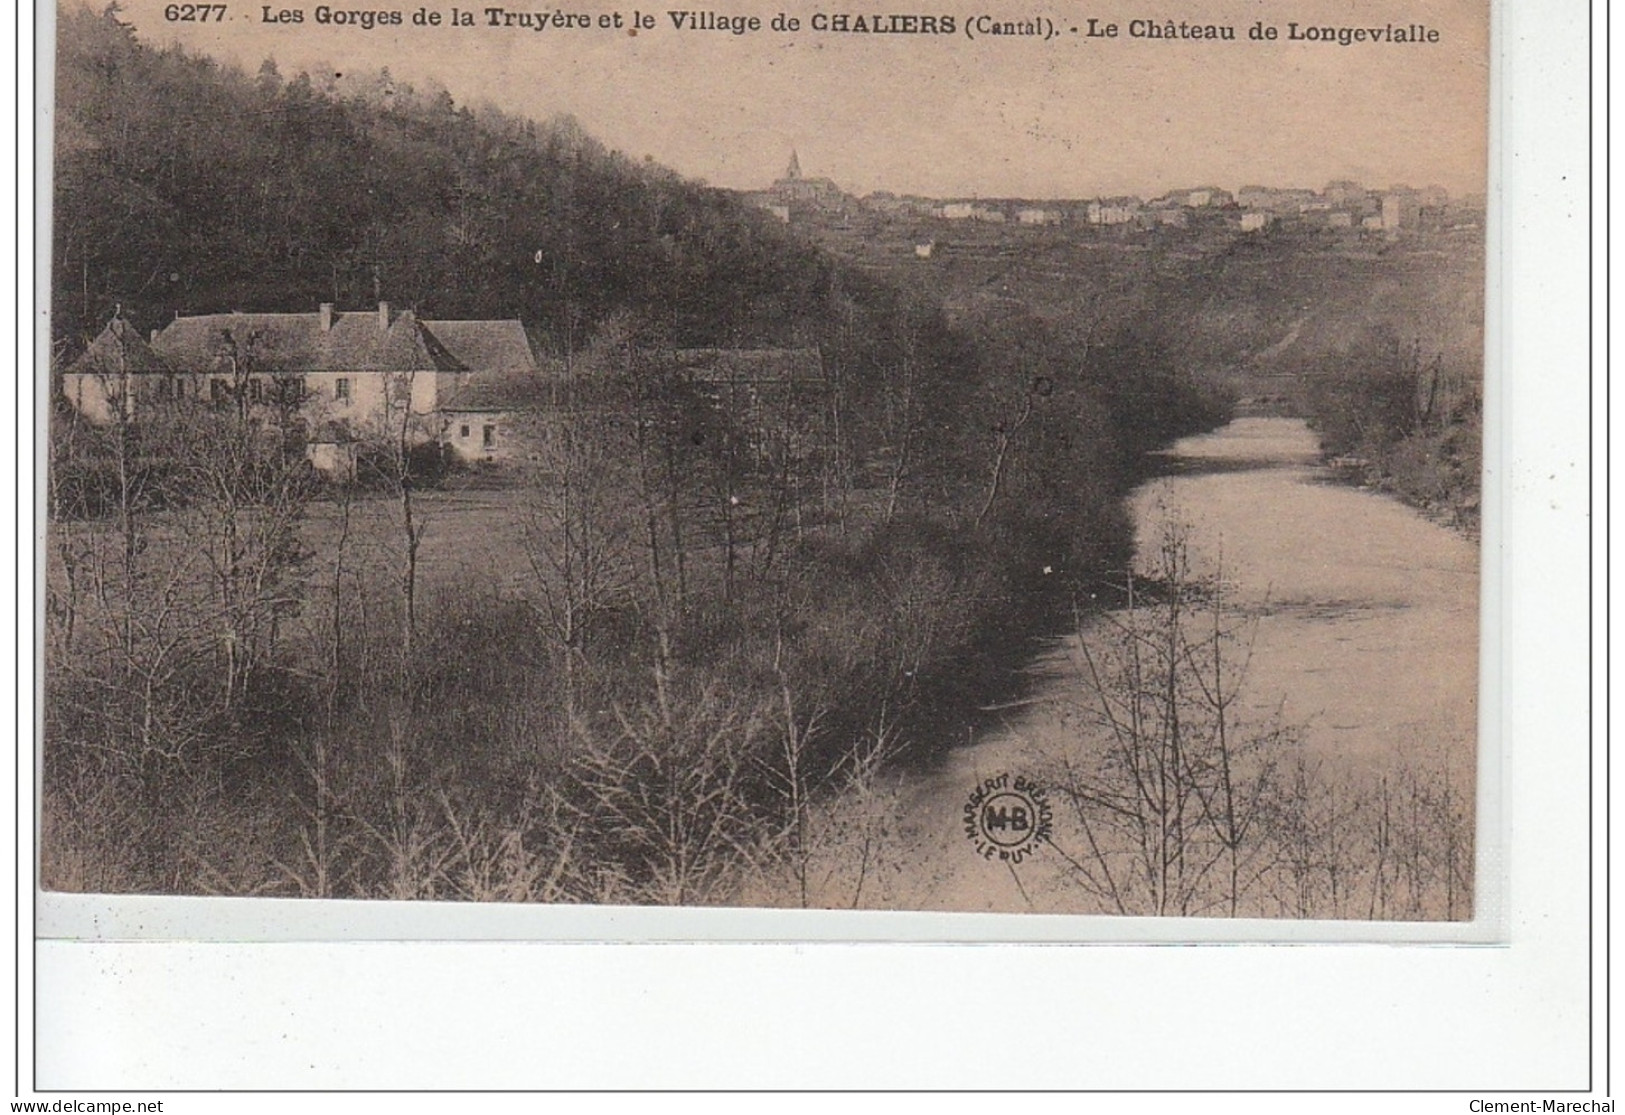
260 682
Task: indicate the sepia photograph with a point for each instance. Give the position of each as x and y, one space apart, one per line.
774 458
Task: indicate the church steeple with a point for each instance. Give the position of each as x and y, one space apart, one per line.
792 172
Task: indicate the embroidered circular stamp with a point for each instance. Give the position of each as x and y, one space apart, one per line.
1006 818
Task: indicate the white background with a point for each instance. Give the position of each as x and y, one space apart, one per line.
412 1015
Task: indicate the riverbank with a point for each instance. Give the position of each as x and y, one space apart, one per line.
1437 473
1355 625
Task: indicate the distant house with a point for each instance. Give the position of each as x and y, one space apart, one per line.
1113 211
1280 202
1203 197
1254 221
351 375
1401 209
771 203
970 211
1256 197
1033 216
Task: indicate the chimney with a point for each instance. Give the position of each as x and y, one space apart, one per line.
153 338
383 315
327 317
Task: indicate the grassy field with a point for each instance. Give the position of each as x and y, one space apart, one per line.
472 539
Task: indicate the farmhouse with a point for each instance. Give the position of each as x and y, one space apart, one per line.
352 374
481 389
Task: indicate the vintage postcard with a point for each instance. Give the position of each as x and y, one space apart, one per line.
779 456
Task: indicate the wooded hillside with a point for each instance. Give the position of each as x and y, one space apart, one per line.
185 186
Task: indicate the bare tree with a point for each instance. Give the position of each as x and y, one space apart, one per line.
665 790
180 585
577 527
902 409
1182 803
1005 433
395 445
247 494
1170 785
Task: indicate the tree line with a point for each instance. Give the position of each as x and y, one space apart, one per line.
1407 419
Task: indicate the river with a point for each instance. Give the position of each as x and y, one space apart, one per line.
1362 618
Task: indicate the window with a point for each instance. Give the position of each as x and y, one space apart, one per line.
341 389
463 433
488 437
217 391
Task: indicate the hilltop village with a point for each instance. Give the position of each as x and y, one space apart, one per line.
1340 205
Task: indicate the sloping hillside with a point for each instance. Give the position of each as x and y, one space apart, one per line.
187 186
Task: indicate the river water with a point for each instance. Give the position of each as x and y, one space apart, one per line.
1364 637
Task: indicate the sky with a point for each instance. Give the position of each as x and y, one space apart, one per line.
947 115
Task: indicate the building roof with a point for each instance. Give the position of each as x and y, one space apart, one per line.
752 365
295 343
118 350
357 341
502 391
486 345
